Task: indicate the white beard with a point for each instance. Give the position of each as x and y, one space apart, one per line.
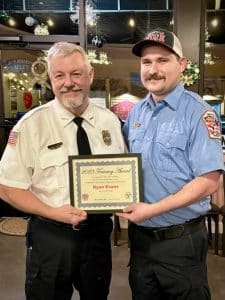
71 103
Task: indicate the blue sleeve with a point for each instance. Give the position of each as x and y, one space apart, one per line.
205 152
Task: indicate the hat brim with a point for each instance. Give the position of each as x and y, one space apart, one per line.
137 49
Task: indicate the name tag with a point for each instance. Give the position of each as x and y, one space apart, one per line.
55 146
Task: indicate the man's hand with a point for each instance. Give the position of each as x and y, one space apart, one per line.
136 213
67 214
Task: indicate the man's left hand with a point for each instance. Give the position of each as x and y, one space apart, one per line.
136 213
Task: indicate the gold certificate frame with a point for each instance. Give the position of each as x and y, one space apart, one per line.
105 183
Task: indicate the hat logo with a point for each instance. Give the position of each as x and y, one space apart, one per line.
156 36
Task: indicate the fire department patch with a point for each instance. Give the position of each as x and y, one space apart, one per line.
212 124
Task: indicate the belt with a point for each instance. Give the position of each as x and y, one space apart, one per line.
174 231
92 221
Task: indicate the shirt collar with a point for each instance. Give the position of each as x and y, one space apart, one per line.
89 113
66 116
172 99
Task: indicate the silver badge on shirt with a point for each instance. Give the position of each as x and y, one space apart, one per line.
106 137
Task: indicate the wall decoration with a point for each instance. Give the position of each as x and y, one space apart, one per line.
91 15
122 104
29 21
190 74
27 99
41 29
40 71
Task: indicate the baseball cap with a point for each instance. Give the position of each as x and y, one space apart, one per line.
162 37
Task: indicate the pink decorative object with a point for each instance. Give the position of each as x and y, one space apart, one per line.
122 109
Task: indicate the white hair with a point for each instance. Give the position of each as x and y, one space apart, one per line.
64 49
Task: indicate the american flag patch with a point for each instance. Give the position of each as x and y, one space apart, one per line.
12 137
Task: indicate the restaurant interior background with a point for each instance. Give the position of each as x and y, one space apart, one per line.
107 29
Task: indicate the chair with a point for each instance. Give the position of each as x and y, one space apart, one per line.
213 214
222 212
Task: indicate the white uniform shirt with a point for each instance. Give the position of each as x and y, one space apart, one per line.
32 160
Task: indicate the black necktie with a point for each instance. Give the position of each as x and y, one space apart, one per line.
82 138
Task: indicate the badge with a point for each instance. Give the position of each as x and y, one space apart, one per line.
136 125
212 124
106 137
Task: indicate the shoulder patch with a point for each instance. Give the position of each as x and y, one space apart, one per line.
212 124
13 136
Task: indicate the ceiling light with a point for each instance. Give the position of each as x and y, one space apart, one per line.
131 22
215 22
11 21
50 22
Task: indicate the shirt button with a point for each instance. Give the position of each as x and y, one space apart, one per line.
167 145
154 118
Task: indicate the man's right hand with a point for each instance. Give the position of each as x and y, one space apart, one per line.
67 214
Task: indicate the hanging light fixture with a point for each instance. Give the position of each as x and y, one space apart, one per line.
11 21
50 22
131 22
29 20
97 41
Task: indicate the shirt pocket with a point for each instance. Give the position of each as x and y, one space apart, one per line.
54 166
136 140
170 152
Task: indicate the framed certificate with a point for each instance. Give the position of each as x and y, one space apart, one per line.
105 183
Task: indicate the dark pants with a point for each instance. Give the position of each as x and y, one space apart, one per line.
173 269
59 258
